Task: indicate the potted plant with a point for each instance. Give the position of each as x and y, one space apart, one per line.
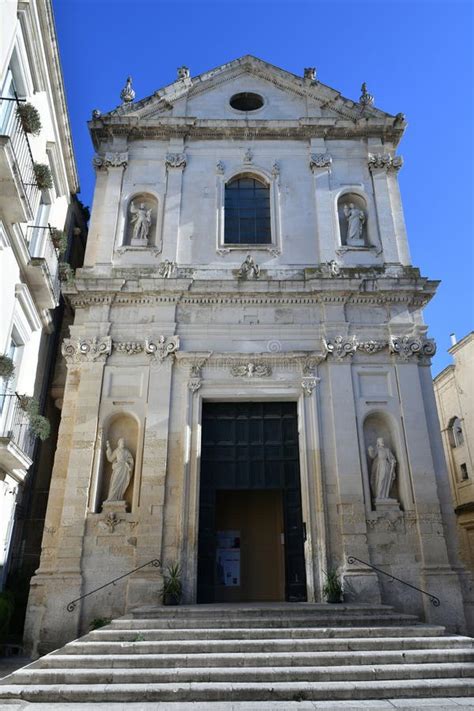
7 367
29 118
59 239
39 425
332 589
172 588
43 177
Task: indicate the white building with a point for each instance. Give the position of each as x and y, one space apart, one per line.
454 390
30 79
249 322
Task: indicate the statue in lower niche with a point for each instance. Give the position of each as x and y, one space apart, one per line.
382 473
141 221
355 225
122 470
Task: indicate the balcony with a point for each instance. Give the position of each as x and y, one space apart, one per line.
19 193
42 270
16 439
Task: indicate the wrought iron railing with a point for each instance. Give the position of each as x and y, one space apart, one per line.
14 423
22 155
41 246
435 601
72 605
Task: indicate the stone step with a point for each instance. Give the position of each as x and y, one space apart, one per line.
215 621
231 675
259 659
265 645
117 634
223 691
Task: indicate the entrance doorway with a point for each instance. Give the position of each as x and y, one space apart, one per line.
251 532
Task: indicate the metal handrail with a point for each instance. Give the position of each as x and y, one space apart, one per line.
156 563
435 601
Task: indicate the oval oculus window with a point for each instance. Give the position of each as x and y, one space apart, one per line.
246 101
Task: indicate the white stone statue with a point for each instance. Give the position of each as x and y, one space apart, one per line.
141 221
382 474
249 269
355 225
122 470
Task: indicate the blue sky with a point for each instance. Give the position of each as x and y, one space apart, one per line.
415 55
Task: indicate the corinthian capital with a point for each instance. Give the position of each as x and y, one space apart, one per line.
175 160
320 160
83 350
384 161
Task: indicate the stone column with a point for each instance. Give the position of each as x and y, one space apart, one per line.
175 164
114 164
320 164
437 575
143 587
59 579
380 164
361 583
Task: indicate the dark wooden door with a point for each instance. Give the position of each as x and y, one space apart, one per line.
251 445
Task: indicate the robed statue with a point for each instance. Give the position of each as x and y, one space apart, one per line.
122 470
355 225
141 221
382 474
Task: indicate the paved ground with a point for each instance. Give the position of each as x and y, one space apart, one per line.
390 705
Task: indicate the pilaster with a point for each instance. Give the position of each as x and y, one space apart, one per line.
380 165
320 164
175 164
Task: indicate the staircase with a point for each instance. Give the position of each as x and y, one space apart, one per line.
252 652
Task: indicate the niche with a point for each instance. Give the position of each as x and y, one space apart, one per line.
383 462
125 427
352 214
141 220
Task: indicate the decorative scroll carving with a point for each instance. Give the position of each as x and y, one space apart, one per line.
220 167
384 161
320 160
166 269
341 346
163 347
410 346
251 370
81 350
129 347
110 160
248 156
194 384
111 521
276 169
308 384
175 160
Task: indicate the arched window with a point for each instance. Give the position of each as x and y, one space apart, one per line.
455 433
247 211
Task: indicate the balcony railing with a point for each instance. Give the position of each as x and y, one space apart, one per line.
40 246
14 424
22 155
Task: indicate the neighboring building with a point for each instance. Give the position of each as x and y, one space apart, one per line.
248 384
37 225
454 390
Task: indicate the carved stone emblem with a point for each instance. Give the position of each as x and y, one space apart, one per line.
128 347
220 167
310 73
249 269
194 384
175 160
166 269
163 347
341 346
308 383
80 350
275 169
320 160
248 156
111 521
251 370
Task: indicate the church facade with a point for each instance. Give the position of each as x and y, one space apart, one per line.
248 388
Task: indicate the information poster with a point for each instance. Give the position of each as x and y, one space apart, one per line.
228 558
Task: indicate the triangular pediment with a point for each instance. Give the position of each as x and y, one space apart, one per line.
286 96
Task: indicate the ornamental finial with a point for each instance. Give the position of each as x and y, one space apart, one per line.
310 73
127 94
183 72
366 99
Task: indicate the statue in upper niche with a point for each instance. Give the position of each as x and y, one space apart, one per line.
141 221
122 469
355 225
383 470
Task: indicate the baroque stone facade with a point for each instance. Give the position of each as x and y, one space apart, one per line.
320 307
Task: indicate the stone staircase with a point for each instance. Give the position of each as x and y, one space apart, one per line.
252 652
